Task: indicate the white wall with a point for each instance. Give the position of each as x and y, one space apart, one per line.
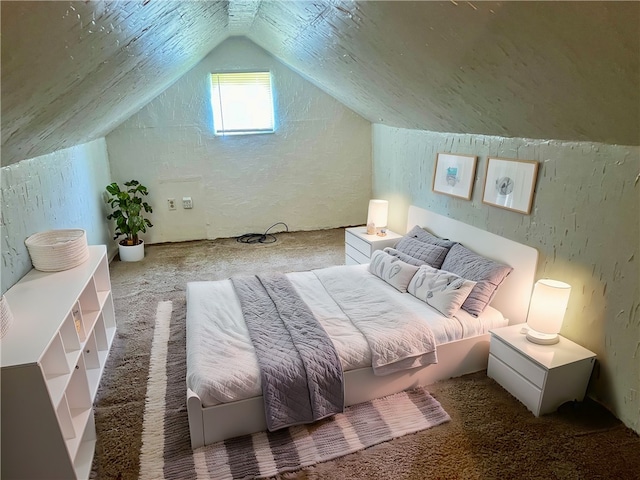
55 191
584 223
313 173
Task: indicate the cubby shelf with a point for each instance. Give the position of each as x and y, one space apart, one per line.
53 357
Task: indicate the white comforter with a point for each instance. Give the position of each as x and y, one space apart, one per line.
398 338
221 362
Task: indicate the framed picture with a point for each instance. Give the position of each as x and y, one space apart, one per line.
454 174
510 184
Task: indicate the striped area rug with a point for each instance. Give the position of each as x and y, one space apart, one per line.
165 453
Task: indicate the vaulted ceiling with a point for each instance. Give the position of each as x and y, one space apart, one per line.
73 71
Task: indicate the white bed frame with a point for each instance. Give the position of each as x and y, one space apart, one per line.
211 424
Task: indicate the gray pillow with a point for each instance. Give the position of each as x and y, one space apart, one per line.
488 274
421 234
426 252
404 257
392 270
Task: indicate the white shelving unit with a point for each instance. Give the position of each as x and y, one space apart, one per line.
53 357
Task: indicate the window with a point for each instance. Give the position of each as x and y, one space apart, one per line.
242 103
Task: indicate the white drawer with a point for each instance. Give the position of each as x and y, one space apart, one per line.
349 261
358 244
355 255
515 384
517 361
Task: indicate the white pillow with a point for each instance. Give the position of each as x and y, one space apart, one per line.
444 291
392 270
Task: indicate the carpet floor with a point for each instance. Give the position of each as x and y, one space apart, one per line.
490 436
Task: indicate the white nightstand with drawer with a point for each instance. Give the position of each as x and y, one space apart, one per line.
358 246
542 377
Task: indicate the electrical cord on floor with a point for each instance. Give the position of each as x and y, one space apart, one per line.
265 237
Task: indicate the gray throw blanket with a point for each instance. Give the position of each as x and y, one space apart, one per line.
299 367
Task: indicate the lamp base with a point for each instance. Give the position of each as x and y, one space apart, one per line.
542 338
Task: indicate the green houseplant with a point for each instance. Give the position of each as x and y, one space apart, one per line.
128 208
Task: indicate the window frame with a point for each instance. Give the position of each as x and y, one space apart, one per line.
240 79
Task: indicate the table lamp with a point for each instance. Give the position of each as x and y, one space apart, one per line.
546 311
377 216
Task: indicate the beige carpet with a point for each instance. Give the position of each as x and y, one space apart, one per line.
490 435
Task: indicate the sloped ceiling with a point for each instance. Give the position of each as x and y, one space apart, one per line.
72 71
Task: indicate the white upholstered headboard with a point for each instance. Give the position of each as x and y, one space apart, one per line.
514 294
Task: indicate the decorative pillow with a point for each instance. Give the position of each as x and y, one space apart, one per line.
422 235
430 254
404 257
444 291
488 274
392 270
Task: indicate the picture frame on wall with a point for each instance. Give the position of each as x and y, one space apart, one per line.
510 184
454 174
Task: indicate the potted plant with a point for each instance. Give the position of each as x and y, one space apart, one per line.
128 209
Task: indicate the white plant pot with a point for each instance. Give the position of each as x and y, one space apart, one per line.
131 253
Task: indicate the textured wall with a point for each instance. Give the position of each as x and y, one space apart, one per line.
564 70
584 223
54 191
107 61
314 172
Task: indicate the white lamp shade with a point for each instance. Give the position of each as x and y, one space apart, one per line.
378 212
546 310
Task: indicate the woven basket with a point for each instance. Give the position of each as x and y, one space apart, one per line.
57 250
6 318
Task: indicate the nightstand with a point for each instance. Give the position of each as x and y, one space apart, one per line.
542 377
358 246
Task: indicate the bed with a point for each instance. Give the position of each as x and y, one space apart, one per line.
231 406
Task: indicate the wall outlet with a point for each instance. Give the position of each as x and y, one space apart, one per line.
171 203
187 202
